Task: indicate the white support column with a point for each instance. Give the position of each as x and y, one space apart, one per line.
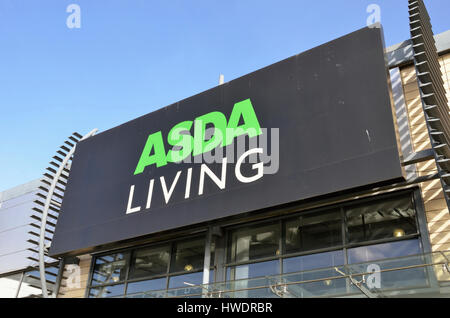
42 247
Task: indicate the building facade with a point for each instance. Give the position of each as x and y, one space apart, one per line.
306 249
354 207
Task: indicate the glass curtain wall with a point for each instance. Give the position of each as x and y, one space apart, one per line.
309 245
314 243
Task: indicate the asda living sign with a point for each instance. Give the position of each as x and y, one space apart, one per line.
184 146
295 130
224 133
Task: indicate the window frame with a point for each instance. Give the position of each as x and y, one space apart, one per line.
131 252
414 197
222 264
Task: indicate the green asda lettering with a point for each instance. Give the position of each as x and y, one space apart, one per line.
184 144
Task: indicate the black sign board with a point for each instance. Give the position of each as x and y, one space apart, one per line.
324 117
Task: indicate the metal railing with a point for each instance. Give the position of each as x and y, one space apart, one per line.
424 275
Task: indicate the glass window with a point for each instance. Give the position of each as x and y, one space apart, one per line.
110 268
315 267
390 256
308 262
382 251
186 285
150 262
386 219
254 270
313 231
159 262
107 291
256 273
146 285
255 242
188 256
315 283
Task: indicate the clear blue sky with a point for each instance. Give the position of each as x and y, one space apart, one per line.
132 57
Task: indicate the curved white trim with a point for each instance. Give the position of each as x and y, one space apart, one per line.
45 214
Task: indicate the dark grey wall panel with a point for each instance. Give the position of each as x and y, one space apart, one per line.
332 107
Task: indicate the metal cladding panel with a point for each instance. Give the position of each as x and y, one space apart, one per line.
332 107
14 226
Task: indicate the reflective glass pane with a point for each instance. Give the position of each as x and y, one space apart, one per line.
382 251
315 267
107 291
313 231
384 219
308 262
150 261
110 268
314 283
251 288
188 256
394 262
255 242
254 270
146 285
186 285
186 280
